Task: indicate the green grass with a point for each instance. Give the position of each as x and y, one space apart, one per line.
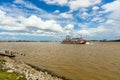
1 62
10 76
4 75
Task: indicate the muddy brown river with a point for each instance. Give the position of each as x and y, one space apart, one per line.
96 61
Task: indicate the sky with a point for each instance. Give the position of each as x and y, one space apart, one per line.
55 19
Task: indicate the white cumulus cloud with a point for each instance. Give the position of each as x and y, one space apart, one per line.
66 15
74 4
60 2
114 8
31 25
95 8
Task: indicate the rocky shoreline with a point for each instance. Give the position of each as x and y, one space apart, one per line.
31 72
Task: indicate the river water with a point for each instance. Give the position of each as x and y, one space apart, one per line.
97 61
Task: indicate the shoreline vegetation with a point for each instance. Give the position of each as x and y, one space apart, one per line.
6 74
9 65
104 40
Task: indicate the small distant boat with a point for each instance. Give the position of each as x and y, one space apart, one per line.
70 40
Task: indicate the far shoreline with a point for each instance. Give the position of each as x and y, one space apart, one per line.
103 40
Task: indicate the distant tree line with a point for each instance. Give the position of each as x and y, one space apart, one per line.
25 41
105 40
